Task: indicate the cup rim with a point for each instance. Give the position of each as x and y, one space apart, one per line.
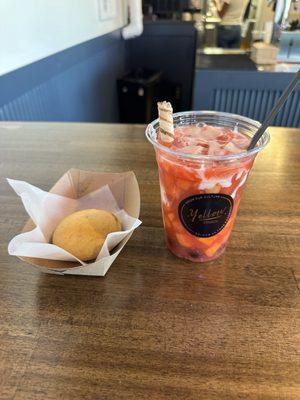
151 131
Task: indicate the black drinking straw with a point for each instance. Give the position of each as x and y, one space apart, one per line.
291 86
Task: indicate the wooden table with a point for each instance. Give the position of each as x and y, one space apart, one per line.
155 327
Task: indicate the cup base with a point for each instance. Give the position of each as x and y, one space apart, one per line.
194 256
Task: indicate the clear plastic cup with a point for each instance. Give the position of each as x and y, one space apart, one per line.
200 194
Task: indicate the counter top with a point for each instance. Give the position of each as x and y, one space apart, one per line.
280 67
155 327
232 61
237 59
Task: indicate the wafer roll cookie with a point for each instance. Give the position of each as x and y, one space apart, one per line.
166 125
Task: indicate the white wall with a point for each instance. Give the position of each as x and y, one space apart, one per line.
34 29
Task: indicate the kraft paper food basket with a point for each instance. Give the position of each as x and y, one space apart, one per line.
74 184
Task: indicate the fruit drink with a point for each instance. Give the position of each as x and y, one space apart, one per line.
202 173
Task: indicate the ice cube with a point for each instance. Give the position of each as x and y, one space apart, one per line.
195 150
240 140
225 137
190 130
214 148
231 148
185 135
210 132
222 152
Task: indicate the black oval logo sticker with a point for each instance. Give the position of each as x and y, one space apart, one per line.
205 215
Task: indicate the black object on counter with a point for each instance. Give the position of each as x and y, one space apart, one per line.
167 8
140 90
137 93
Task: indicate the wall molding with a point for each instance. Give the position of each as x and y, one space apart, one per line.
77 84
21 80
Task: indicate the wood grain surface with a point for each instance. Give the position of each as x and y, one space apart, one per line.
155 327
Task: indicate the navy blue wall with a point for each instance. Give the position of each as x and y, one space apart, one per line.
77 84
248 93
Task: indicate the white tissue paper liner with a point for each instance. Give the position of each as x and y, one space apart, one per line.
47 209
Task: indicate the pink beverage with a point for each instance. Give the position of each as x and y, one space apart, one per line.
202 174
